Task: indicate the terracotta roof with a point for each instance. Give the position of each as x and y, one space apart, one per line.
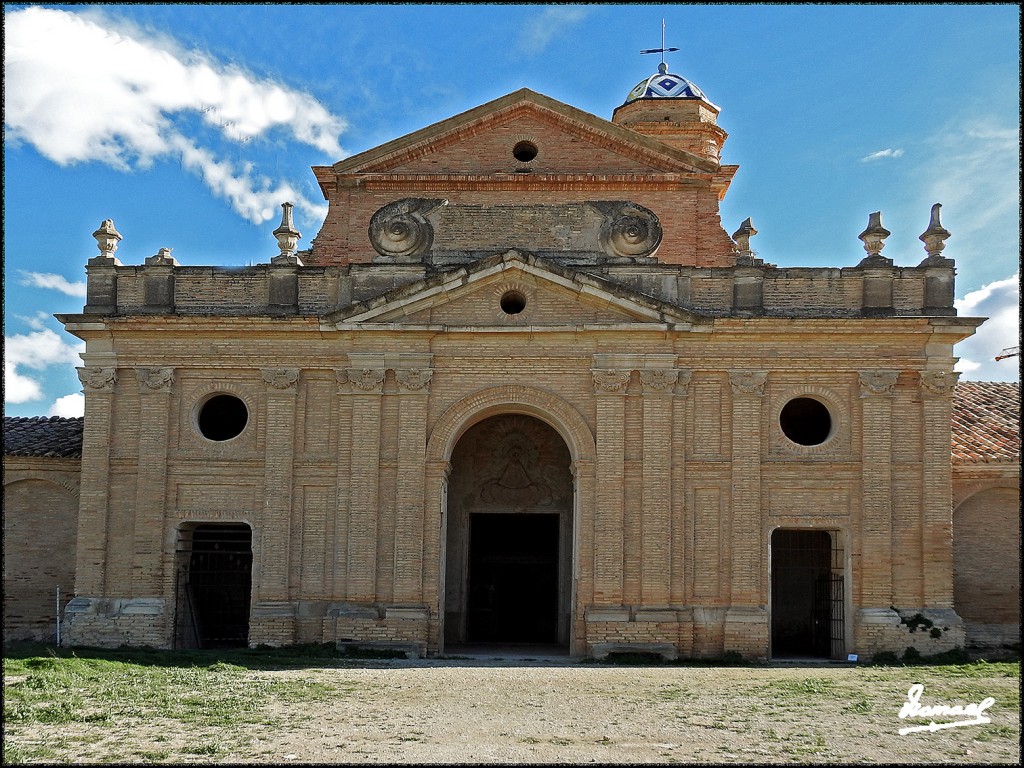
50 436
986 421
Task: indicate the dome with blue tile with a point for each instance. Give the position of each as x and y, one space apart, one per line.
665 85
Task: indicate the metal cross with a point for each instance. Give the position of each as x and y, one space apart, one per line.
663 50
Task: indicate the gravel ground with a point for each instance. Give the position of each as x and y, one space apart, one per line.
556 710
559 712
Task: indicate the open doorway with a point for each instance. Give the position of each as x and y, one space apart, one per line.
513 578
807 594
214 586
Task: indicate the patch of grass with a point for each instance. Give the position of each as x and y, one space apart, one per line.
112 687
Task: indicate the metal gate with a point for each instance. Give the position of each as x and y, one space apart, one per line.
214 586
829 616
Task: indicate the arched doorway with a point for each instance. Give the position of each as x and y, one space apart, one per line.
508 574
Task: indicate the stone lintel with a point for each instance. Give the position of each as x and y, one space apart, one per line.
407 613
885 616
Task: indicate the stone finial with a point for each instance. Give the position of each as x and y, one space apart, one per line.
874 241
162 258
742 237
287 238
107 239
934 239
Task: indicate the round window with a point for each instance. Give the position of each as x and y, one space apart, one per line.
512 302
222 417
524 151
806 421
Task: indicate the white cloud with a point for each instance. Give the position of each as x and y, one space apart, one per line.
974 171
69 406
551 23
36 351
136 98
1000 302
882 153
54 282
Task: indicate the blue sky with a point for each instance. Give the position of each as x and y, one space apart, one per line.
189 125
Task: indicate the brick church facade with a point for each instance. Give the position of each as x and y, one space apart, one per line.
523 387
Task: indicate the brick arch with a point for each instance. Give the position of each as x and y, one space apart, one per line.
511 398
969 489
11 478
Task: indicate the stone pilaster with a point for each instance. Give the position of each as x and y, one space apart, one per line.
746 576
367 388
94 495
609 391
876 461
414 388
936 402
656 518
155 387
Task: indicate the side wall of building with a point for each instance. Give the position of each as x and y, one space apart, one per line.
40 535
986 553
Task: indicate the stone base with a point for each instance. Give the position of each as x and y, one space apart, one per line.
402 628
272 623
110 622
928 630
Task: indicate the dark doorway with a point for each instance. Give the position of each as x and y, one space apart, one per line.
214 586
807 595
513 578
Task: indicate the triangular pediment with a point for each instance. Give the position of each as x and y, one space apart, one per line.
514 290
564 135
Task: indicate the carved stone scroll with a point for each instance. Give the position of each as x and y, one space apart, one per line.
98 379
414 379
367 379
939 382
656 380
155 378
281 378
400 230
610 381
878 382
629 230
748 382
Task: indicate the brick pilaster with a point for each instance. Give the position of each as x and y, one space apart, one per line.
876 472
414 387
677 499
94 496
609 392
276 512
343 484
746 576
656 522
155 385
936 402
367 389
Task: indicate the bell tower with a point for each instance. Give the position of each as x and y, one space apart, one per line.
671 109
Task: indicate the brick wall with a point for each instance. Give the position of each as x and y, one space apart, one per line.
40 532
